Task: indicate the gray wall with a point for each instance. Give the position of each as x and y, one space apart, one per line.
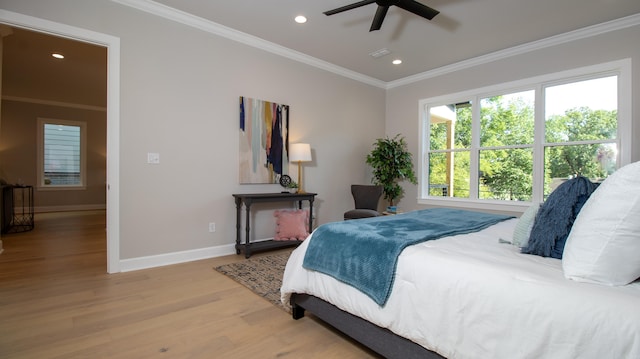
179 93
19 146
179 90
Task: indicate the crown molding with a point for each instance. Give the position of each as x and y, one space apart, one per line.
54 103
598 29
197 22
170 13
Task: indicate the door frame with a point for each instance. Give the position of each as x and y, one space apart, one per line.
113 114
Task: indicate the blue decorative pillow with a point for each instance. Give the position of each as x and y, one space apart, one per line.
556 216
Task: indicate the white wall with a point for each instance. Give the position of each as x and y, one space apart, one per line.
402 102
179 97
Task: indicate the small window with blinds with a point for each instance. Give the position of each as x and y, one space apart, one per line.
61 154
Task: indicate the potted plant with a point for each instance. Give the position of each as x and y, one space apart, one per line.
391 163
292 187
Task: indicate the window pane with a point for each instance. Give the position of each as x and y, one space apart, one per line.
438 173
506 174
582 111
440 135
450 129
61 154
595 161
507 119
449 174
450 126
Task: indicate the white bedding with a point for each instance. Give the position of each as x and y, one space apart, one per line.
469 296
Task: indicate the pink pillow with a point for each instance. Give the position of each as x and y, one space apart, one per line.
291 224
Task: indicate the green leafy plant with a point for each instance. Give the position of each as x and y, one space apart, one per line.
391 163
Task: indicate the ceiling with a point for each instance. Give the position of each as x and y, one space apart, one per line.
30 73
463 30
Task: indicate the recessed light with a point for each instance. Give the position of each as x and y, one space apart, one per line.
57 55
396 62
300 19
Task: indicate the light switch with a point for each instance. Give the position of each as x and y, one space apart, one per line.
153 158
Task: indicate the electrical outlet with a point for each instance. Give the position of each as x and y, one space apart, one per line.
212 227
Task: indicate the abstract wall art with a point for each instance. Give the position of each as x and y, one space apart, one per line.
264 141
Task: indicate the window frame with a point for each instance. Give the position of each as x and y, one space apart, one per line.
619 68
41 186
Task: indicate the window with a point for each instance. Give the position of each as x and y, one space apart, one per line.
580 136
61 154
506 146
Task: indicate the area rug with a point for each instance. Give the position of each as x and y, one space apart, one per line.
261 274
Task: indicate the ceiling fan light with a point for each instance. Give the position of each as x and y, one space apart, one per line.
396 62
383 6
58 55
300 19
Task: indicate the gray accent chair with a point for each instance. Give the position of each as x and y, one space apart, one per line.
366 199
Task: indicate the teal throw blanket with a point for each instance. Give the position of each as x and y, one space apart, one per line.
364 252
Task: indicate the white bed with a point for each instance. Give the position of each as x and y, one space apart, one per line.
470 296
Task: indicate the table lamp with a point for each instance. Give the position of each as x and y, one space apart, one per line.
300 152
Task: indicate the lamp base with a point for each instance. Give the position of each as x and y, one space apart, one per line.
300 188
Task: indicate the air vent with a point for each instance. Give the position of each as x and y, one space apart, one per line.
379 53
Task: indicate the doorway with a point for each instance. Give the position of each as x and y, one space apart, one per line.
112 46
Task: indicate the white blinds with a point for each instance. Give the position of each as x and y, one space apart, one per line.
61 154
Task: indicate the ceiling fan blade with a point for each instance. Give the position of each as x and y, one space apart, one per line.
379 18
349 7
418 8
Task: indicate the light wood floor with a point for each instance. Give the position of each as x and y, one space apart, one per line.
56 301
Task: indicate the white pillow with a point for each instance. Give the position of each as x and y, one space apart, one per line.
604 243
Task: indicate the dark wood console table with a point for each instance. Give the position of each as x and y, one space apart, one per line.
248 199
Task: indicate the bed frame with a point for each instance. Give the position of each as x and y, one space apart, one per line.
380 340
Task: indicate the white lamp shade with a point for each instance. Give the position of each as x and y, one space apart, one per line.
300 152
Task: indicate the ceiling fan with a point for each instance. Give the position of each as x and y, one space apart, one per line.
383 6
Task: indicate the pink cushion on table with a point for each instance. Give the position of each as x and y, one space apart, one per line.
291 224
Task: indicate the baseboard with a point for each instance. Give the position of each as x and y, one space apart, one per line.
79 207
132 264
